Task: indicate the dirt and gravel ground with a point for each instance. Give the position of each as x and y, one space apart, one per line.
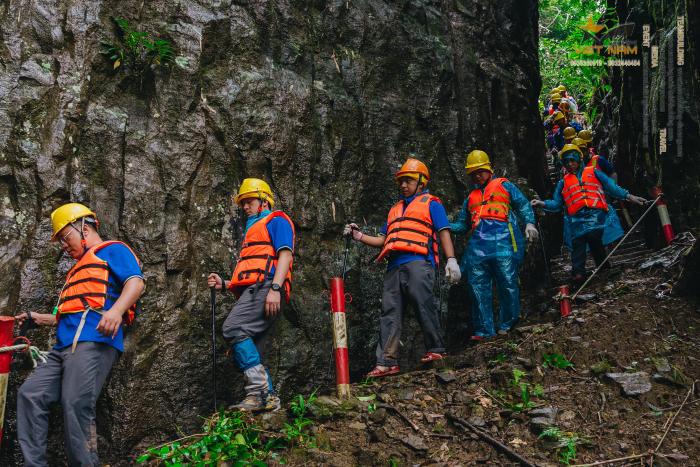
630 324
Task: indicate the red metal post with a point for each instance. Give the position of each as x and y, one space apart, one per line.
7 324
663 215
340 339
564 300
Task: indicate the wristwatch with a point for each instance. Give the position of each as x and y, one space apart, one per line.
276 287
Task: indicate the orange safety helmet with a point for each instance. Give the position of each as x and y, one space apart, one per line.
415 169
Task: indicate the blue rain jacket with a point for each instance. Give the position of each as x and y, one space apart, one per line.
587 219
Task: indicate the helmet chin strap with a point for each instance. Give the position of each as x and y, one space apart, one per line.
82 236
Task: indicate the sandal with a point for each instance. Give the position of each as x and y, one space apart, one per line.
430 356
377 373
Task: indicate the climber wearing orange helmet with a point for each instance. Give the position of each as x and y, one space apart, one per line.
415 227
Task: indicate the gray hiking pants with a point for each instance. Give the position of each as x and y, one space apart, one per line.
247 320
406 283
76 381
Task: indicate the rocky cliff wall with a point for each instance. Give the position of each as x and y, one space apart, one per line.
324 99
670 104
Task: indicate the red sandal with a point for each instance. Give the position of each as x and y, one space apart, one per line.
430 356
377 373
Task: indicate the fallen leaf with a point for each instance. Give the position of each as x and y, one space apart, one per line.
485 402
517 442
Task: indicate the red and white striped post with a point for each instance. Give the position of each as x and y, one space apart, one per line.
564 300
340 337
663 215
7 324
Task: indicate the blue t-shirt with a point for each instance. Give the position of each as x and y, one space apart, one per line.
280 231
438 217
123 266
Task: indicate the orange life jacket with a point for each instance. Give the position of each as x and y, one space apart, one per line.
586 193
258 256
86 284
492 203
412 230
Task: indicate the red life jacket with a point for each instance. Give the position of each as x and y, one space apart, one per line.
258 256
86 284
412 230
586 193
593 161
492 203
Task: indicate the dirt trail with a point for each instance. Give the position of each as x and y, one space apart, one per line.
631 328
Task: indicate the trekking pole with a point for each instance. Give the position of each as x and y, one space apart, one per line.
345 259
544 253
213 340
652 204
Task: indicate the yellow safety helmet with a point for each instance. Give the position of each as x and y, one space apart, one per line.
561 88
568 149
415 169
579 142
569 133
555 91
255 188
67 214
477 160
555 98
558 116
585 135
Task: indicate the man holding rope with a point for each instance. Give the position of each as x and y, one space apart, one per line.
100 294
582 191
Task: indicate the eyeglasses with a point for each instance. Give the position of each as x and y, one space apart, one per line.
64 239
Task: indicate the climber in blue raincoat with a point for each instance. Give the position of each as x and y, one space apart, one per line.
582 192
496 247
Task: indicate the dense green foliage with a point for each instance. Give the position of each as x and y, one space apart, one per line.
560 37
227 436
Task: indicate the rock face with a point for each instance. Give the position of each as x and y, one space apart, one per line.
669 102
324 99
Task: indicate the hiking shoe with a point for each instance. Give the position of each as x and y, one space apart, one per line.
252 403
272 403
430 356
475 339
377 373
502 332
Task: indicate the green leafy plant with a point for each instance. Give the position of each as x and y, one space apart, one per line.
525 390
295 432
499 358
567 452
556 360
226 436
368 380
137 52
